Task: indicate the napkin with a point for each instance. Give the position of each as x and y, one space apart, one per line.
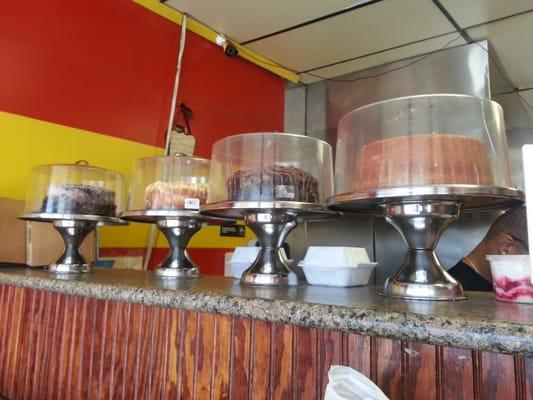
346 383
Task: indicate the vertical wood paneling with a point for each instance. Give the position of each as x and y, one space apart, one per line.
24 324
282 351
356 352
60 346
204 350
22 387
160 343
42 350
75 347
305 364
114 375
221 357
498 376
528 369
389 367
7 302
174 355
457 374
330 353
97 353
136 347
144 356
64 344
188 354
82 386
57 318
240 359
420 367
260 362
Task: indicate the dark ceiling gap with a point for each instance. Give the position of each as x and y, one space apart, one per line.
377 52
498 19
420 40
314 20
452 21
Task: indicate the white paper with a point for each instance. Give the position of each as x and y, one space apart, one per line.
346 383
527 156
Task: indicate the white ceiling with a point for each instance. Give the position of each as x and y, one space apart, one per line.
372 33
244 20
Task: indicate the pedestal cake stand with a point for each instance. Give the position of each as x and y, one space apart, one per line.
73 228
178 226
271 222
421 214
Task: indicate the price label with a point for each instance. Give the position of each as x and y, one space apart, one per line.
192 203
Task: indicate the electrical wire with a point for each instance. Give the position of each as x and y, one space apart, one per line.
152 237
505 78
419 59
175 89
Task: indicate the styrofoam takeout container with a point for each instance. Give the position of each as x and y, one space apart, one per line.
339 276
335 255
511 278
337 266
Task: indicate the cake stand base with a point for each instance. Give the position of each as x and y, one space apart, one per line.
271 221
177 263
422 276
73 234
270 267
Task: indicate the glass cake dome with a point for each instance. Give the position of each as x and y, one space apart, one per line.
169 183
79 190
440 139
271 166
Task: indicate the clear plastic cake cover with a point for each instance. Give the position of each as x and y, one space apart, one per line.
169 183
75 189
271 167
422 140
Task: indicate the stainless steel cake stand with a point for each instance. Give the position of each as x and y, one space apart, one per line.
73 228
178 226
421 214
271 222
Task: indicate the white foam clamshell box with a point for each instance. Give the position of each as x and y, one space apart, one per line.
337 266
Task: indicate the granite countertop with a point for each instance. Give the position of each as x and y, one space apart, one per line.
478 323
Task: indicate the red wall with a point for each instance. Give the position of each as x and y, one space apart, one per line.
107 66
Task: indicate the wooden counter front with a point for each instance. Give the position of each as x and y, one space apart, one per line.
59 346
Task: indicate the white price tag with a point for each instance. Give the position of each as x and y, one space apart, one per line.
192 203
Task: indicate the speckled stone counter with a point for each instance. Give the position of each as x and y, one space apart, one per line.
479 323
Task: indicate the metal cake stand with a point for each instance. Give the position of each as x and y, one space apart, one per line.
73 228
178 226
421 214
271 222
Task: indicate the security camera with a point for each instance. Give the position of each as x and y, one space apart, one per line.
229 49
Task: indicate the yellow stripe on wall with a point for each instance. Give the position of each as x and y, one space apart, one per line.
27 142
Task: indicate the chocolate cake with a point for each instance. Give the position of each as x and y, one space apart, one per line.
79 199
427 159
273 183
175 196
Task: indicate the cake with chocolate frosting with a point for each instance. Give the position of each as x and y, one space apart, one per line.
274 182
79 199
